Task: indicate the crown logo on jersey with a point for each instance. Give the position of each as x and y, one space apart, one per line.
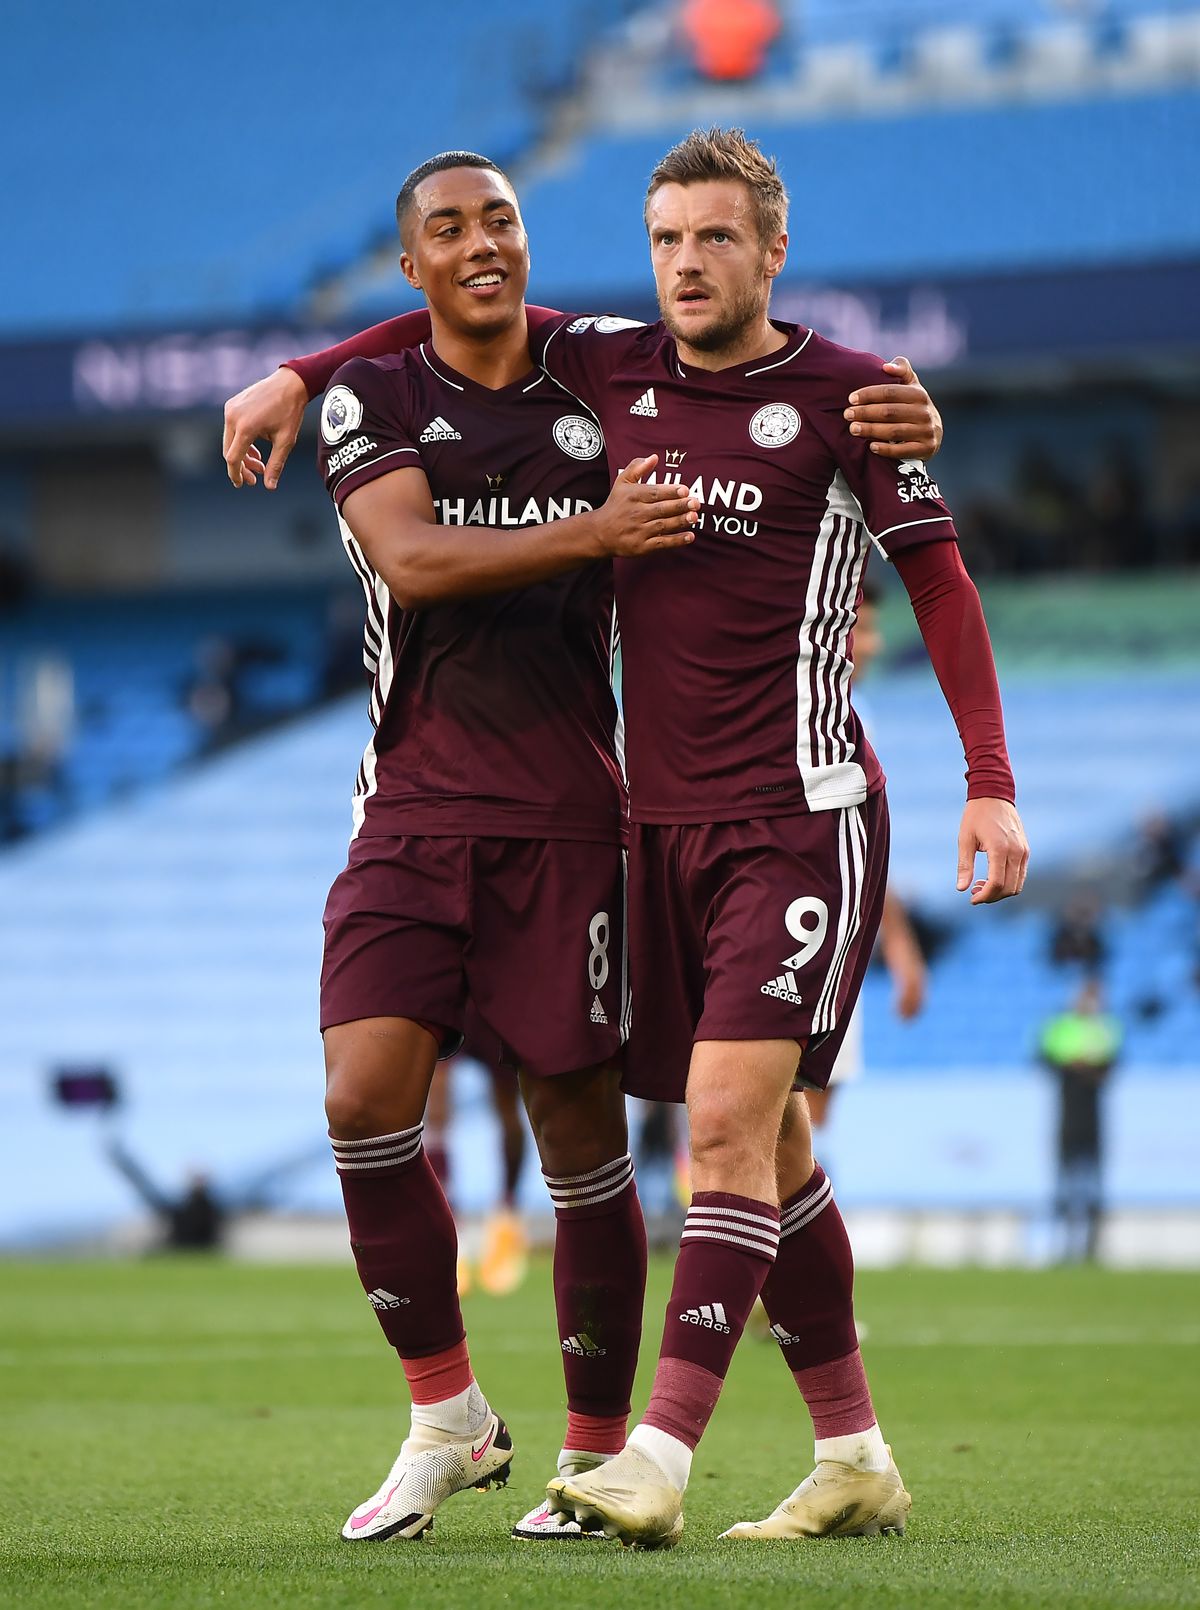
495 482
675 457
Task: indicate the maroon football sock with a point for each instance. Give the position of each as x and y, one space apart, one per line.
439 1160
599 1288
403 1238
809 1298
725 1254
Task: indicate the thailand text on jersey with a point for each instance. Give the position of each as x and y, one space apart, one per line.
493 715
736 668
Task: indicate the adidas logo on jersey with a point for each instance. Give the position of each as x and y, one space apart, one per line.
582 1346
438 430
782 1337
783 988
708 1317
646 405
382 1300
599 1015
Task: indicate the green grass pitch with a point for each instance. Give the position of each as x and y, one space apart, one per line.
194 1433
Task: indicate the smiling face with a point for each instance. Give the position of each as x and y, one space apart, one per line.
712 269
465 248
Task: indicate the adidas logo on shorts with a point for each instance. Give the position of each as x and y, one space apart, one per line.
438 430
582 1346
784 988
646 405
708 1317
599 1015
782 1337
381 1300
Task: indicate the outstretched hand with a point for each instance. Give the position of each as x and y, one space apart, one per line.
993 828
897 421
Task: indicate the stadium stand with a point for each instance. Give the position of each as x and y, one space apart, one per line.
138 686
269 196
985 196
864 53
183 917
187 921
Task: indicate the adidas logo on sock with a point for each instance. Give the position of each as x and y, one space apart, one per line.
438 430
646 405
782 1337
582 1346
380 1299
599 1015
708 1317
783 988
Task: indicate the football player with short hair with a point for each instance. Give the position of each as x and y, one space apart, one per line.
821 1258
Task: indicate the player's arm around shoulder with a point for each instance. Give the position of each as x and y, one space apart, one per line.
891 412
272 409
424 563
898 497
582 351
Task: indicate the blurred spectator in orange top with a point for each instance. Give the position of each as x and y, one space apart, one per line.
729 38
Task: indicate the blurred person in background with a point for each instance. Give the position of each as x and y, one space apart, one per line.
503 1260
1159 855
898 943
194 1221
1076 939
1080 1047
16 573
728 40
36 735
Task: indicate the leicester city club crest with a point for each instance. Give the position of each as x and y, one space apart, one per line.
578 437
775 425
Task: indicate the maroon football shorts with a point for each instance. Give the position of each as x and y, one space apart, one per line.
756 930
531 930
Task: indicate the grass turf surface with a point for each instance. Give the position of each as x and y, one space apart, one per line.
194 1433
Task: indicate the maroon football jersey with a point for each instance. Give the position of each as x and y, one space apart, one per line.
737 671
493 716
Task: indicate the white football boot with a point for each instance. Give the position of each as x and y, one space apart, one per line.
542 1524
629 1497
430 1468
836 1501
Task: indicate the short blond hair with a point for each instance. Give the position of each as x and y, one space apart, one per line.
727 154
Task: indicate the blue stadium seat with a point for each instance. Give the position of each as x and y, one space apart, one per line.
131 661
216 186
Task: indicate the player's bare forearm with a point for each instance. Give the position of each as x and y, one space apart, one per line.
902 957
897 421
424 563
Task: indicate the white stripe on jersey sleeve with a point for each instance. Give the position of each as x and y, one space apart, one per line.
378 605
832 779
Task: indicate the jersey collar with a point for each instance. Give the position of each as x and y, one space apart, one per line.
464 383
798 337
